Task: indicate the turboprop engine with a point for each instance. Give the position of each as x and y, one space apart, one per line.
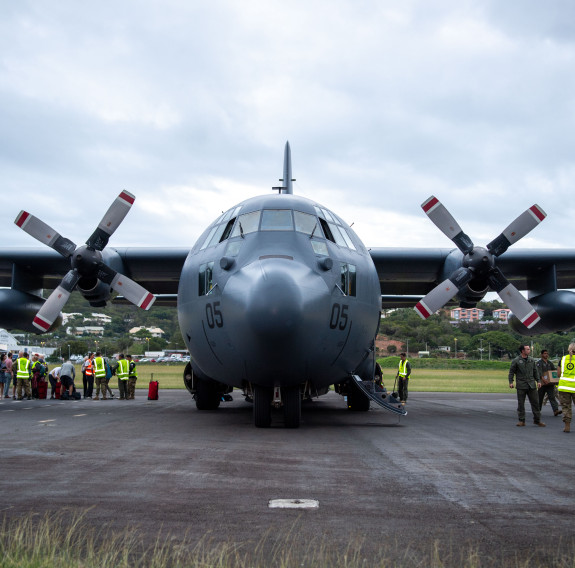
556 310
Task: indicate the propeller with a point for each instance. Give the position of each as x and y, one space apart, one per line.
479 262
86 260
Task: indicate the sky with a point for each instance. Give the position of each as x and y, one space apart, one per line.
188 104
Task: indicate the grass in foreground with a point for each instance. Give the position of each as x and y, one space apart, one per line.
56 541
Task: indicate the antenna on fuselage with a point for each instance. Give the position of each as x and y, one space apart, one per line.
287 186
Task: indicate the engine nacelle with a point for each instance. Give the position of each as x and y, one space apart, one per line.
95 291
468 297
557 312
18 309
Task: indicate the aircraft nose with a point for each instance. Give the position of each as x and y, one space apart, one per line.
275 305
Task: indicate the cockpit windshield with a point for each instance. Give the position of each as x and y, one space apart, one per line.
325 226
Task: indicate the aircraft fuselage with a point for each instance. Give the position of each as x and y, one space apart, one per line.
276 292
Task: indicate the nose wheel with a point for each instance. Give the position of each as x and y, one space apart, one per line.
262 407
264 400
291 399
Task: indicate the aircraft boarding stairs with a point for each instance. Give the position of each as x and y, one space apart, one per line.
382 398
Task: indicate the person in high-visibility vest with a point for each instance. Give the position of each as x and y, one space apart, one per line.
123 373
88 375
100 376
403 372
132 378
566 386
23 370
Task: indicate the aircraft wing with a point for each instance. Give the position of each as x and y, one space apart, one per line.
156 269
402 271
406 274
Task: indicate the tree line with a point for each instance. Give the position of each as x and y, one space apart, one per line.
473 340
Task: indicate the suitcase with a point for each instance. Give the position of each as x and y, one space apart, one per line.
153 390
58 389
42 389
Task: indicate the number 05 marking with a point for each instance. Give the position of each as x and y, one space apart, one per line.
338 319
214 316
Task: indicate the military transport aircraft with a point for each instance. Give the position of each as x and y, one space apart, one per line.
280 297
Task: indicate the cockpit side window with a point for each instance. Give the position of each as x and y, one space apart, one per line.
348 279
334 229
326 230
221 229
205 280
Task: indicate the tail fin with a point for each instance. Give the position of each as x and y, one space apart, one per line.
287 186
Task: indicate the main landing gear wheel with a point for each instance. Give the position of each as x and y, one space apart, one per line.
292 406
262 407
207 395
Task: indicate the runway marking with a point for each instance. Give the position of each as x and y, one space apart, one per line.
51 420
293 504
79 414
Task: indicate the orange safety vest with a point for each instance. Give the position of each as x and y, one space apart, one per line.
89 370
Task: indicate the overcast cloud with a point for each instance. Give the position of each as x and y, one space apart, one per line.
188 105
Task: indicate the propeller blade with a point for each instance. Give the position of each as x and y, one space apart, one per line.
52 307
133 292
44 233
524 224
111 220
446 223
443 292
514 300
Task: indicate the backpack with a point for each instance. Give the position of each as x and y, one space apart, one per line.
39 368
108 370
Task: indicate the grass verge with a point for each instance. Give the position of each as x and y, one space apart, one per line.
60 540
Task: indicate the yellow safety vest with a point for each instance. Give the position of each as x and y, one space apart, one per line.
567 380
123 371
23 368
402 368
99 368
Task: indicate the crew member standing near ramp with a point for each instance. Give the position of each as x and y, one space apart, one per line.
403 373
566 374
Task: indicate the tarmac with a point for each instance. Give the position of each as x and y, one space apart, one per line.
455 473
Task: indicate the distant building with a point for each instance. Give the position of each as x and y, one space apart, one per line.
86 330
9 342
153 331
467 314
502 315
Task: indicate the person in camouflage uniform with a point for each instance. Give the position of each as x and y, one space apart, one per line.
523 367
133 377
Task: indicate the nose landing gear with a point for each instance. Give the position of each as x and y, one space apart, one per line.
266 398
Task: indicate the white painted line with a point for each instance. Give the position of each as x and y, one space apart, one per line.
293 504
79 415
51 420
